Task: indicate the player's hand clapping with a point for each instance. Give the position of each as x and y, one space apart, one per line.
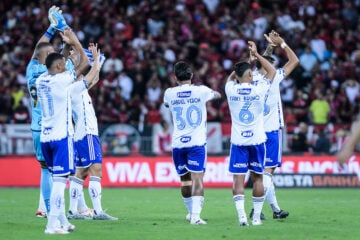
252 48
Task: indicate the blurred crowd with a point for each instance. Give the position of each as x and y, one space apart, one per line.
142 39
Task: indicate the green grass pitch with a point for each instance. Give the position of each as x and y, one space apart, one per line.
159 213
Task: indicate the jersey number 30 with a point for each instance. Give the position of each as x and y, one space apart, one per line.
192 117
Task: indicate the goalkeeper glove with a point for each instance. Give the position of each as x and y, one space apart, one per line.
56 19
50 32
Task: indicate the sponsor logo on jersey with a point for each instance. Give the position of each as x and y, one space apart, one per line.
47 130
244 91
185 139
247 134
184 94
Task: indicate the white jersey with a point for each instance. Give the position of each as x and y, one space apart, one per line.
84 116
246 104
273 113
187 104
54 93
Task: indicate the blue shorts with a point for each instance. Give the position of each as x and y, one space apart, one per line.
244 158
87 151
37 146
191 159
273 149
59 156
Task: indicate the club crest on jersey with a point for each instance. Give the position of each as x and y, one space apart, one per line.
185 139
244 91
184 94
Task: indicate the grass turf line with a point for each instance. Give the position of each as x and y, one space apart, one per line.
159 213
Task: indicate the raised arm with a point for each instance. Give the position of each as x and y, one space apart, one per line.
92 77
217 95
269 68
293 59
66 51
349 146
71 39
232 76
51 31
270 47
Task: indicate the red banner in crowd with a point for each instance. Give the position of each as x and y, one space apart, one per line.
160 172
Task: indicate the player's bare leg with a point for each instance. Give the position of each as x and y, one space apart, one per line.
197 198
186 187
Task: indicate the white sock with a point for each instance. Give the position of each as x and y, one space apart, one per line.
57 202
75 189
239 201
271 197
258 203
266 182
81 202
187 202
41 207
95 193
196 206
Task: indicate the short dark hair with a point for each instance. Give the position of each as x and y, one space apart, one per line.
241 67
42 45
269 58
51 58
182 71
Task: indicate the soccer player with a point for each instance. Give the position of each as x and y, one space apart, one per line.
187 104
55 89
273 118
88 160
246 100
34 69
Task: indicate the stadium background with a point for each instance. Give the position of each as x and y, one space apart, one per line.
142 39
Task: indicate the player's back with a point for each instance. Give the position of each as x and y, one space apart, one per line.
83 115
273 114
54 95
187 104
246 104
33 70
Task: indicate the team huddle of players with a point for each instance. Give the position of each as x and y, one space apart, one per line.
66 140
64 125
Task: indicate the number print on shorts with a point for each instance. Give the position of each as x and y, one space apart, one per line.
246 116
192 117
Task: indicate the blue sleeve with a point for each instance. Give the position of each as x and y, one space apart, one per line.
69 65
